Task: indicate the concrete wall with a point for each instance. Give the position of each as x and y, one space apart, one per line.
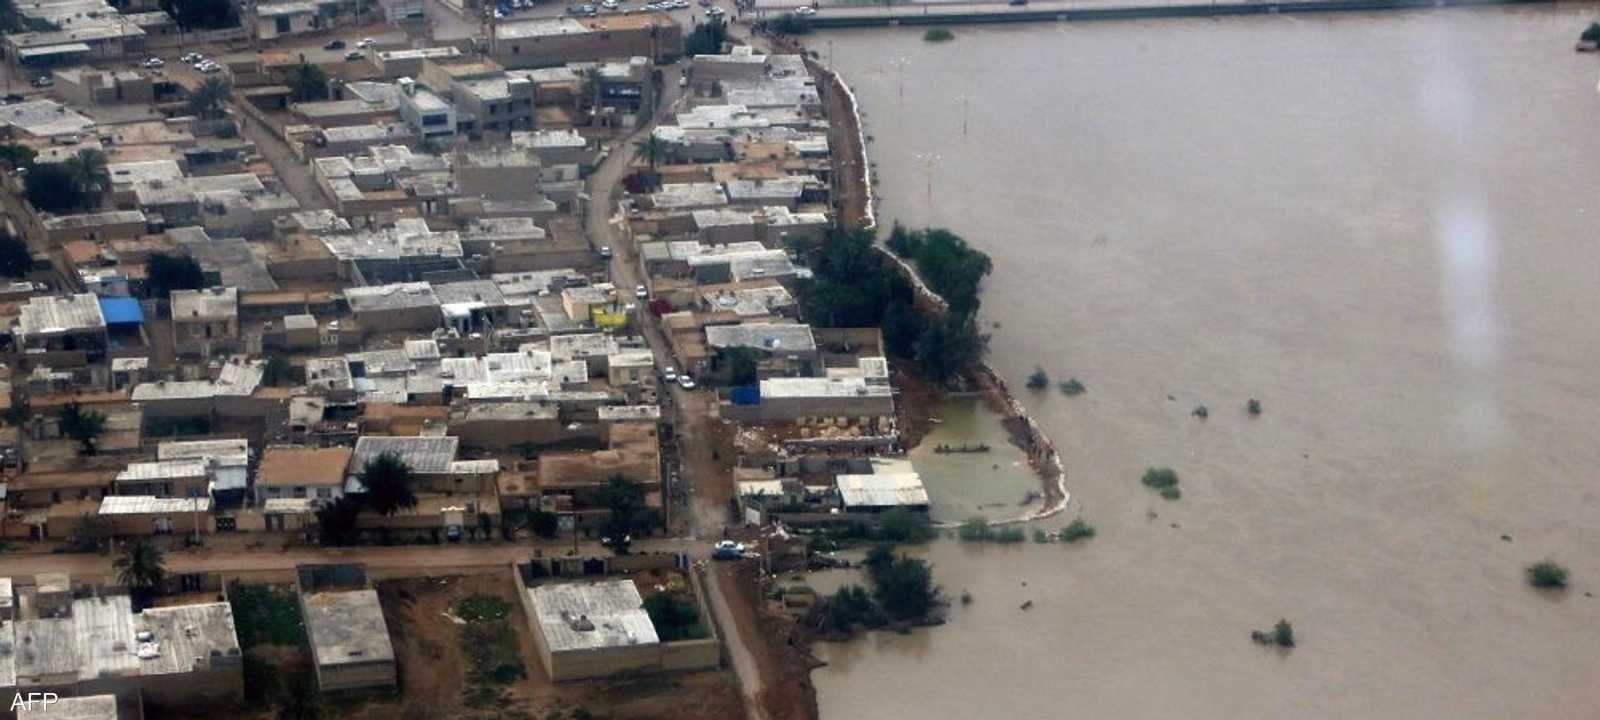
357 676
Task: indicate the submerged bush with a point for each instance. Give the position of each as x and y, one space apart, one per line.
1547 574
1253 406
1038 380
938 35
1073 388
1158 478
1077 530
1281 635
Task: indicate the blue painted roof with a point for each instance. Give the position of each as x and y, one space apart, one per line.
121 311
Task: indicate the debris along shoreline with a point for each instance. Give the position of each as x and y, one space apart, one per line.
849 143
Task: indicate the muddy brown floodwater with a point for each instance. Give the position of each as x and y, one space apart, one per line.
1382 226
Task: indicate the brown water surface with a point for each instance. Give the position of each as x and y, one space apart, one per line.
1383 227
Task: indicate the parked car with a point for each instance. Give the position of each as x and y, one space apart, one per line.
805 10
686 382
680 4
191 58
353 55
208 67
641 292
43 81
705 3
609 4
715 12
1018 2
366 42
605 251
334 45
154 63
669 374
727 550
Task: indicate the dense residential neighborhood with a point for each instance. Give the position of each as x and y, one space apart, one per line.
320 313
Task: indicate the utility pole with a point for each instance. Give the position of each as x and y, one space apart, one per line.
965 101
928 160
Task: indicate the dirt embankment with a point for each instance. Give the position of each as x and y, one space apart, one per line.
780 650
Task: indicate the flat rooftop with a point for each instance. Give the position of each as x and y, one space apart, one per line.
347 628
581 616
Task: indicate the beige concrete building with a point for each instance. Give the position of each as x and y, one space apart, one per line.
349 640
205 321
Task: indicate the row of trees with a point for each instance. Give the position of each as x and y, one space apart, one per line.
945 262
854 286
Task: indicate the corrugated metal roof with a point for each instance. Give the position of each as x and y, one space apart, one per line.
150 504
424 455
163 470
56 315
881 490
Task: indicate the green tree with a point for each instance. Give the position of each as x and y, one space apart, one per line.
902 326
878 559
950 345
53 187
140 566
905 589
277 371
336 522
625 501
849 607
202 14
545 524
164 273
674 615
652 150
15 257
207 99
1547 574
388 482
308 82
87 533
18 156
900 525
88 169
82 425
707 38
743 366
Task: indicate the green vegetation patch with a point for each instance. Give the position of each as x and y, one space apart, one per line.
1078 529
1547 574
265 615
939 35
675 616
1281 635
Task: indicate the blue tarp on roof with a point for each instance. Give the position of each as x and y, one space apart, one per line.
746 395
121 311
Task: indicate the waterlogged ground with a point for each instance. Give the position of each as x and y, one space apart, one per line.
992 484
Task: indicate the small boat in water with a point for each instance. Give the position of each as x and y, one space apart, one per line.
962 448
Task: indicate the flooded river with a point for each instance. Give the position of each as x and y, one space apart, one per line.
1383 227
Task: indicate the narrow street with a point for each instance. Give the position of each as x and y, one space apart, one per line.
428 560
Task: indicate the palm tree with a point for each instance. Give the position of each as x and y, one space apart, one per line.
208 99
652 150
140 566
88 168
387 479
82 425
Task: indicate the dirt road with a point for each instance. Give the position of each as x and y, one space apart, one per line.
424 560
733 636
